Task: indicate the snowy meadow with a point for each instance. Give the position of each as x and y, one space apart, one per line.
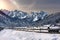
8 34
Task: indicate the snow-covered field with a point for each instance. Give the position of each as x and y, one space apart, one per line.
8 34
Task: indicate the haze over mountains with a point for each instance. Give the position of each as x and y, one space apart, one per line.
18 18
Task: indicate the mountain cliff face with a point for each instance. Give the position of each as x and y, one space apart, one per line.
18 18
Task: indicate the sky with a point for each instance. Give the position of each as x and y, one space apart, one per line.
50 6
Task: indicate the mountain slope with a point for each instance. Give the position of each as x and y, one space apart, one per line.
52 19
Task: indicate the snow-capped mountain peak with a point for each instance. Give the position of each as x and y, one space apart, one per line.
20 18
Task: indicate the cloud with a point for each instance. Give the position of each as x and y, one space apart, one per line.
6 4
34 5
27 2
39 4
24 2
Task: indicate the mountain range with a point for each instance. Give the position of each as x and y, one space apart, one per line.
19 18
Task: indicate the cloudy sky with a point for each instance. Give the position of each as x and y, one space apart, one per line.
31 5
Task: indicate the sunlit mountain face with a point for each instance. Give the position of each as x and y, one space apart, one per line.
50 6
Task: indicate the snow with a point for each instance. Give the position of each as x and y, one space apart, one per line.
8 34
35 19
23 17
